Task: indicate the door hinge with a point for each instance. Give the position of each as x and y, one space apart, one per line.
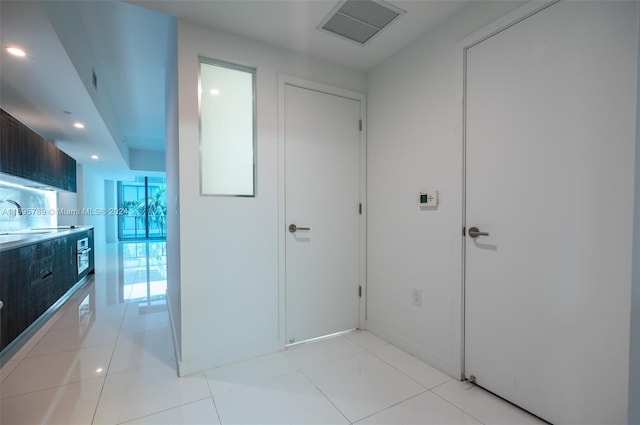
360 125
360 291
464 231
360 208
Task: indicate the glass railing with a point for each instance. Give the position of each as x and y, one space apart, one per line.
134 227
144 274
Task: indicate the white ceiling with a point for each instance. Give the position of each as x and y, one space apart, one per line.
127 46
38 88
292 24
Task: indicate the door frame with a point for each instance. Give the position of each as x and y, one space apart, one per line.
516 16
288 80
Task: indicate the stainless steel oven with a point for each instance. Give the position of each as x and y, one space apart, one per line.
82 250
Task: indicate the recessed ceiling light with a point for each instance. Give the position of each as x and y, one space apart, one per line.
214 92
94 156
78 125
16 51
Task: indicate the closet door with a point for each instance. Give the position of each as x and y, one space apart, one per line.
550 133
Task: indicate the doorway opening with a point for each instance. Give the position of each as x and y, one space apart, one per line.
143 203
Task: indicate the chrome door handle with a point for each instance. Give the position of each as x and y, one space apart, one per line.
474 232
293 228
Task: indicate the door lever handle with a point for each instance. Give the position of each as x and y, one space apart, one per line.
293 228
474 232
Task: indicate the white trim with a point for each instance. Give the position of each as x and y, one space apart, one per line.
177 348
497 26
444 364
283 81
202 60
322 338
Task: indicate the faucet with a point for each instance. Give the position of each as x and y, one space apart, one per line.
17 205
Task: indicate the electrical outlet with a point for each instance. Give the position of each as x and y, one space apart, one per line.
416 296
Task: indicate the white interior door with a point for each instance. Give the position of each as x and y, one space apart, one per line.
322 186
550 118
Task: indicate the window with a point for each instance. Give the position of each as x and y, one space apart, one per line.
144 201
227 129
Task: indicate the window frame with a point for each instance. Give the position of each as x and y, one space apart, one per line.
253 72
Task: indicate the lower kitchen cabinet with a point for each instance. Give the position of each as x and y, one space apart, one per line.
13 288
34 277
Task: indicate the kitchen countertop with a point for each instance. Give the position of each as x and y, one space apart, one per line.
19 238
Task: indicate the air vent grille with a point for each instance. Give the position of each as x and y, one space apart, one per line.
360 20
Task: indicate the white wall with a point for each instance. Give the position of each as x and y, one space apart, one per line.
414 143
144 160
91 196
229 246
172 193
111 202
634 355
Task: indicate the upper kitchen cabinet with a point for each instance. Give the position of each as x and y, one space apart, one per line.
24 153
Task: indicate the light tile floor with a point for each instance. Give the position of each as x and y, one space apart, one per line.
107 358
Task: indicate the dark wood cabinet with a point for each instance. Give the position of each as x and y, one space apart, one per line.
16 310
24 153
35 277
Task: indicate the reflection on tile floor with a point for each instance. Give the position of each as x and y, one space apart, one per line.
107 357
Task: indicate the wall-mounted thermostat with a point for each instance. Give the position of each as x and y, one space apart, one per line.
429 198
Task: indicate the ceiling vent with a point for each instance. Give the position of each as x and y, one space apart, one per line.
360 20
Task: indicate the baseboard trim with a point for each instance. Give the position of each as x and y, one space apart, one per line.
447 366
176 351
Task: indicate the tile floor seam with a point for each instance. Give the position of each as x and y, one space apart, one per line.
20 360
326 397
49 388
71 349
425 389
12 371
357 343
42 332
95 410
393 405
404 373
27 357
441 384
261 381
157 330
215 406
161 411
324 363
384 341
455 405
136 368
